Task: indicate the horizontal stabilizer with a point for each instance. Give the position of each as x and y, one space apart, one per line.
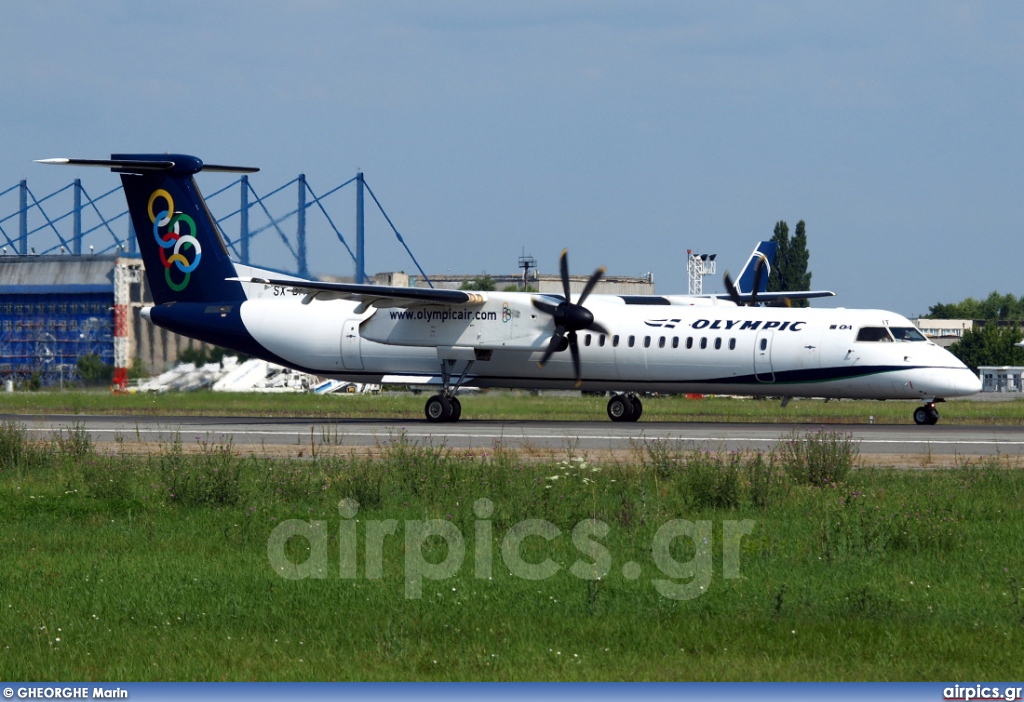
148 163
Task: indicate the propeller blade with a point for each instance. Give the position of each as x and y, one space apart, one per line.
564 266
731 289
556 341
595 327
545 307
590 284
575 348
758 272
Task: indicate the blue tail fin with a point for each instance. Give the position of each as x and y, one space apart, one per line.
185 257
765 251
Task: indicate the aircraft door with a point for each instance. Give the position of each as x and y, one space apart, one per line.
763 371
351 357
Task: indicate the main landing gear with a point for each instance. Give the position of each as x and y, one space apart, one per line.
926 414
445 407
625 408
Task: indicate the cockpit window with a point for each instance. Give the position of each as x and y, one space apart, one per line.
873 334
907 334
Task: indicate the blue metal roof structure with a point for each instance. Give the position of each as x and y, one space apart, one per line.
29 224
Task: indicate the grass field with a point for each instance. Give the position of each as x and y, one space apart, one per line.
166 567
503 406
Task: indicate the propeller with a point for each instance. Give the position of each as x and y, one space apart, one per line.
734 292
570 317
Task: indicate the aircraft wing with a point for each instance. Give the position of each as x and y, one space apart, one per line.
372 295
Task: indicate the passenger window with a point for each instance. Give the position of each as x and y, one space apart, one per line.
615 340
647 342
632 340
689 342
586 340
732 344
764 344
661 343
600 340
675 342
703 342
718 343
873 334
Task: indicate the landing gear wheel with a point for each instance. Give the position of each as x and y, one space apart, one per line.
638 408
456 409
620 409
926 415
438 409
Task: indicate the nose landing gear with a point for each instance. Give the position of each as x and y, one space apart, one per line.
926 414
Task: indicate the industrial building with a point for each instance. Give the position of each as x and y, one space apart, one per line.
944 332
1002 378
549 283
56 309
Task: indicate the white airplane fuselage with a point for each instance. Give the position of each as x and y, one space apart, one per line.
665 348
416 336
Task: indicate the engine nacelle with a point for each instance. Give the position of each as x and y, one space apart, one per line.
502 322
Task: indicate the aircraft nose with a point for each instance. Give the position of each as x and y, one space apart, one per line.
967 383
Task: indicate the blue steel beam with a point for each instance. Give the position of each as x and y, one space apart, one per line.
76 240
360 251
243 219
300 227
23 218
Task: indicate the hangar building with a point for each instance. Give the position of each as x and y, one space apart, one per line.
55 309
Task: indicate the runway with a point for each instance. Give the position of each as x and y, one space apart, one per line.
546 436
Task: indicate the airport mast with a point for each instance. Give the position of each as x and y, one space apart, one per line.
698 266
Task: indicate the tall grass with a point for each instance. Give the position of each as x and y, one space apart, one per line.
822 458
156 566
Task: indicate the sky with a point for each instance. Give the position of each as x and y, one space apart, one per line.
626 132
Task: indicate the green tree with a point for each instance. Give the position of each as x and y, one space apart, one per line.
213 354
93 371
481 282
965 309
137 369
990 345
791 258
995 306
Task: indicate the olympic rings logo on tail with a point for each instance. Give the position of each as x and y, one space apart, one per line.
173 240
